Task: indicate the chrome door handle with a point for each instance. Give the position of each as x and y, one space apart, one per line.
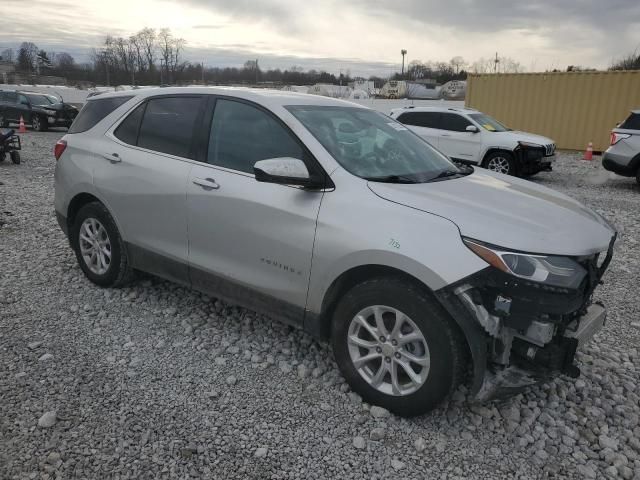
206 183
112 157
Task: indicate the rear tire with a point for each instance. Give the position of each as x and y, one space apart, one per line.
99 248
436 357
15 157
638 176
4 123
501 162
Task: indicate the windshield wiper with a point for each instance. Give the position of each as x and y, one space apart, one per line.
446 173
391 179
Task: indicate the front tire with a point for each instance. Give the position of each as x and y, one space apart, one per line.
4 123
500 162
15 157
396 346
39 123
99 248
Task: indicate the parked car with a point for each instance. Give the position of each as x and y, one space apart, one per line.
472 137
623 156
335 218
39 110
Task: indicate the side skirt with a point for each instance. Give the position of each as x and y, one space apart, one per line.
215 285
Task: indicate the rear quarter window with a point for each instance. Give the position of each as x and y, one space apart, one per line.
94 111
631 123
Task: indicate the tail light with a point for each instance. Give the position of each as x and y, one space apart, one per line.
616 137
59 149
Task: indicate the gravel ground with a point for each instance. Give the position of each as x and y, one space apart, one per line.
156 381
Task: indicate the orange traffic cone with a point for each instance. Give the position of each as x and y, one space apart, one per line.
588 154
22 128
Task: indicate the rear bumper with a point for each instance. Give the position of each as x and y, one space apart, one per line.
619 164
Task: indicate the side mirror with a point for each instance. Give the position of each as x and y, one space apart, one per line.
472 129
284 171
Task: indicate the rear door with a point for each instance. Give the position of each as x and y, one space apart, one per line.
146 160
425 124
455 141
250 242
9 106
23 108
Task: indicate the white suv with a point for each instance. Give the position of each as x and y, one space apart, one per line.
469 136
339 220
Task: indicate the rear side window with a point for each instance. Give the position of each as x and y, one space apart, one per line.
168 125
127 131
242 134
420 119
453 122
631 123
94 111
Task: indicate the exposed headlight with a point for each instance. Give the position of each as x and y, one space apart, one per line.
549 269
530 145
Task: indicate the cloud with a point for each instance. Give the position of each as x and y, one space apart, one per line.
334 35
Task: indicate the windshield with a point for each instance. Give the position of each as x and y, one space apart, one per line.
41 99
373 146
488 123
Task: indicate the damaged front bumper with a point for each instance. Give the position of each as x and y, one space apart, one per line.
520 333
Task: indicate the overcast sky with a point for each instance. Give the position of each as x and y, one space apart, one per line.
364 36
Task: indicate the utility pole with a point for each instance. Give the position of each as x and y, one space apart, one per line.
202 65
256 72
403 52
495 64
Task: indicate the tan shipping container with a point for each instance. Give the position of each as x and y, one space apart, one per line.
572 108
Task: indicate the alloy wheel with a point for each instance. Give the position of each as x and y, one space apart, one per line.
35 123
499 164
95 246
388 350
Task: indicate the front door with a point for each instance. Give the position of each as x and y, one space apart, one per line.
250 242
455 141
142 168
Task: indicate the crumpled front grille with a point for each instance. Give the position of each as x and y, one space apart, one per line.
549 149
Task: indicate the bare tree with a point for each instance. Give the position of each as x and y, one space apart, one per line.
8 55
147 39
27 55
457 63
629 62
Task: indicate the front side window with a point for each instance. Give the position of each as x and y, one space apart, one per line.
488 123
453 122
40 100
168 125
373 146
23 99
242 134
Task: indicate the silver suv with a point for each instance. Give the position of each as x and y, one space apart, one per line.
337 219
623 156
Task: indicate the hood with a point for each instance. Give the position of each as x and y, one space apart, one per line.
517 136
508 212
57 106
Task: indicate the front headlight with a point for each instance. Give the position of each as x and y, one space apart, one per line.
530 145
548 269
50 112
